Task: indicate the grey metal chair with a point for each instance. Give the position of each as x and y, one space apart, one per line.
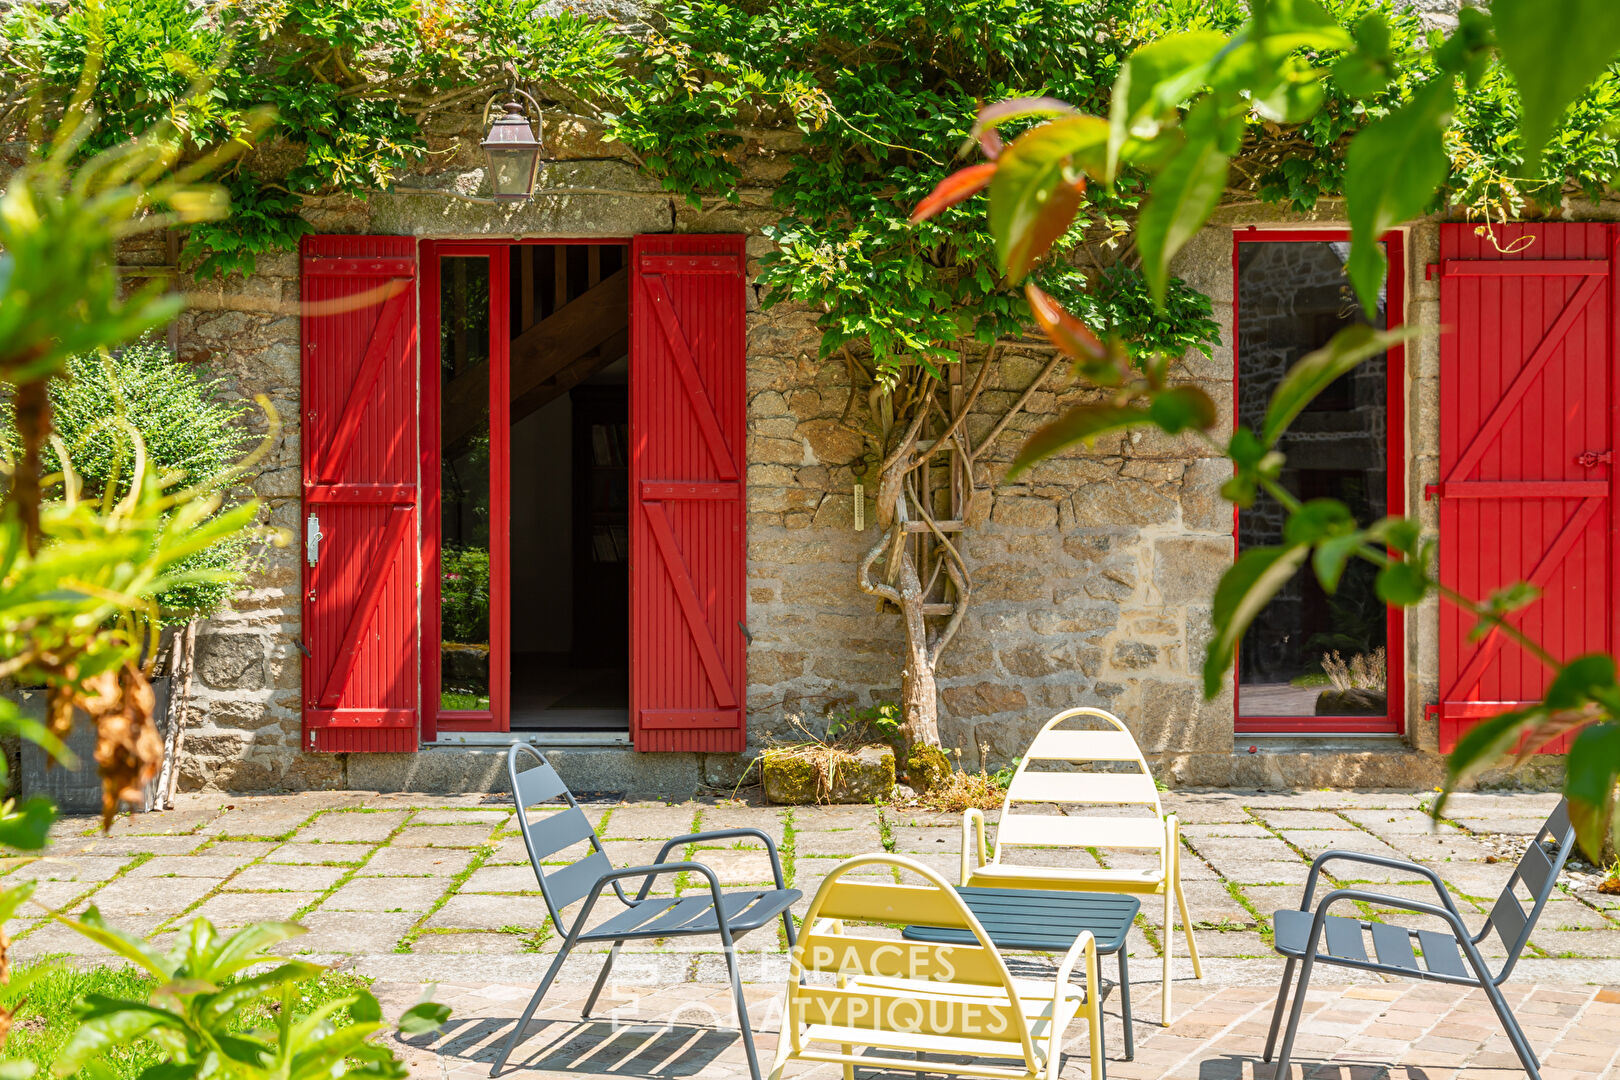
1299 933
729 915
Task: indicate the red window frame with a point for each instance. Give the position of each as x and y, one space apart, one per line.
1395 483
498 717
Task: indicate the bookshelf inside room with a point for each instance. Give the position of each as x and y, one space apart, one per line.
601 486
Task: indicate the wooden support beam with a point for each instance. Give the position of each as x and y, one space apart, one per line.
570 376
539 354
948 525
560 279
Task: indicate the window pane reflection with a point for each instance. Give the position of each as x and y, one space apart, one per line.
464 482
1308 653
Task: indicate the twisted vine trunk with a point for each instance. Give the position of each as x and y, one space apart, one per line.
922 571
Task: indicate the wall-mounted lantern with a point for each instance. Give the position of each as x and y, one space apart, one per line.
512 149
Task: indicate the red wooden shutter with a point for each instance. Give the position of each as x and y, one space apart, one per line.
687 556
1526 395
360 493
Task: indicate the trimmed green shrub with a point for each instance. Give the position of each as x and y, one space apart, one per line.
192 437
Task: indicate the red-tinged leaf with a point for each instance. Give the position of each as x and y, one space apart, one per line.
1018 108
1068 333
1038 186
990 142
1083 423
961 184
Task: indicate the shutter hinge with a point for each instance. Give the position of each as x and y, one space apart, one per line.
1431 271
1433 491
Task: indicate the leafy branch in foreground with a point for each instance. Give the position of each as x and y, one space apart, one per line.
1179 111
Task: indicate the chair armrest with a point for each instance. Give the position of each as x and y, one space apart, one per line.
726 834
648 873
972 841
1376 860
1084 945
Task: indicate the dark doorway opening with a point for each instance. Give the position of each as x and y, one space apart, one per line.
569 592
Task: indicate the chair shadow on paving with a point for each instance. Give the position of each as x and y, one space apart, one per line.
1251 1067
661 1050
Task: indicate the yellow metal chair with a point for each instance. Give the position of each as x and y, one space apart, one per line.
861 988
1095 815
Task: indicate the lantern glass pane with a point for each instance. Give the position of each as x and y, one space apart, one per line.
512 171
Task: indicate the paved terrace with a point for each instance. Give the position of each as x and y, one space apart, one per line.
412 889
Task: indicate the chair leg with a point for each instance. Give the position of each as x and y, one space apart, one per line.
1186 925
1515 1034
742 1010
1099 1061
1168 939
528 1013
601 979
1294 1014
1125 1004
1282 1002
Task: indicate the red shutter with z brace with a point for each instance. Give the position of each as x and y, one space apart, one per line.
1526 448
360 493
688 447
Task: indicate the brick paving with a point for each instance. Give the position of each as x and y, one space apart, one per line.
410 889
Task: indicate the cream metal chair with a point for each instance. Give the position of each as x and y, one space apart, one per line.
853 988
1035 783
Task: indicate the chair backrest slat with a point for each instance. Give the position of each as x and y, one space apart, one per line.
547 834
1539 872
1047 830
1116 789
571 883
1084 788
1508 918
852 954
557 831
1080 746
1535 868
886 902
540 784
904 1004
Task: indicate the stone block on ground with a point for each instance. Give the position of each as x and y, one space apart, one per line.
792 778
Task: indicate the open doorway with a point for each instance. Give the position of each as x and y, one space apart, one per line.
570 489
531 512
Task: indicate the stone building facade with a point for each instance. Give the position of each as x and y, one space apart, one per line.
1094 571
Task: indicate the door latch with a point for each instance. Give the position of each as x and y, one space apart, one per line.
312 539
1589 459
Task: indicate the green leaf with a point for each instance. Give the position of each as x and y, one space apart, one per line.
1579 681
1156 78
1081 423
17 1070
1483 745
1331 556
1316 371
130 947
1317 520
1181 408
1033 196
106 1023
1183 195
1286 25
1554 50
1397 533
1590 771
1244 590
26 829
1391 172
423 1017
1402 584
